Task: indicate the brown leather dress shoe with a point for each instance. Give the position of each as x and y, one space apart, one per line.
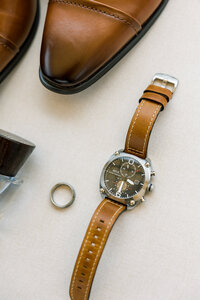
83 39
18 24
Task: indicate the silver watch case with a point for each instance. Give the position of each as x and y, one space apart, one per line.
139 197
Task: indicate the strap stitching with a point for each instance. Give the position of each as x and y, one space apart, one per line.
133 125
81 254
101 246
148 129
95 10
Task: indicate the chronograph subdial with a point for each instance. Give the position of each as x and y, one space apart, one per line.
128 169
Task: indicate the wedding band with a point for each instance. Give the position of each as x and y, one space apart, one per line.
66 186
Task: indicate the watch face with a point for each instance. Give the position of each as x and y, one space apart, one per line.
124 177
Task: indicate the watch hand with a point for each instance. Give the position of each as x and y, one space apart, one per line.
130 181
120 188
115 174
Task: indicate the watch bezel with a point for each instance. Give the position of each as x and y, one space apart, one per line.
137 198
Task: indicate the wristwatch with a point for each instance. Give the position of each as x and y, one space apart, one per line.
125 179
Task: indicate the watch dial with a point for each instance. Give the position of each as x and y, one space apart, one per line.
124 177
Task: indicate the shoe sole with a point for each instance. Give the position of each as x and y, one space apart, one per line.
23 48
52 86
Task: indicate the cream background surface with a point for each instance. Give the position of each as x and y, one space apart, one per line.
154 251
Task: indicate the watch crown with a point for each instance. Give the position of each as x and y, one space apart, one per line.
150 187
147 164
117 153
102 190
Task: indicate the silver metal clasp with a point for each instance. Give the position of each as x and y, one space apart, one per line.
165 81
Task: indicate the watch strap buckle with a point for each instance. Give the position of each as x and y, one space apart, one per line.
165 81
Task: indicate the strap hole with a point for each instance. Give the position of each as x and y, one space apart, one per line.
102 221
83 274
98 229
93 244
80 280
90 251
87 259
96 237
85 266
80 288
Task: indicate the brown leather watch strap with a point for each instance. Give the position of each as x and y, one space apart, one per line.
92 248
154 99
